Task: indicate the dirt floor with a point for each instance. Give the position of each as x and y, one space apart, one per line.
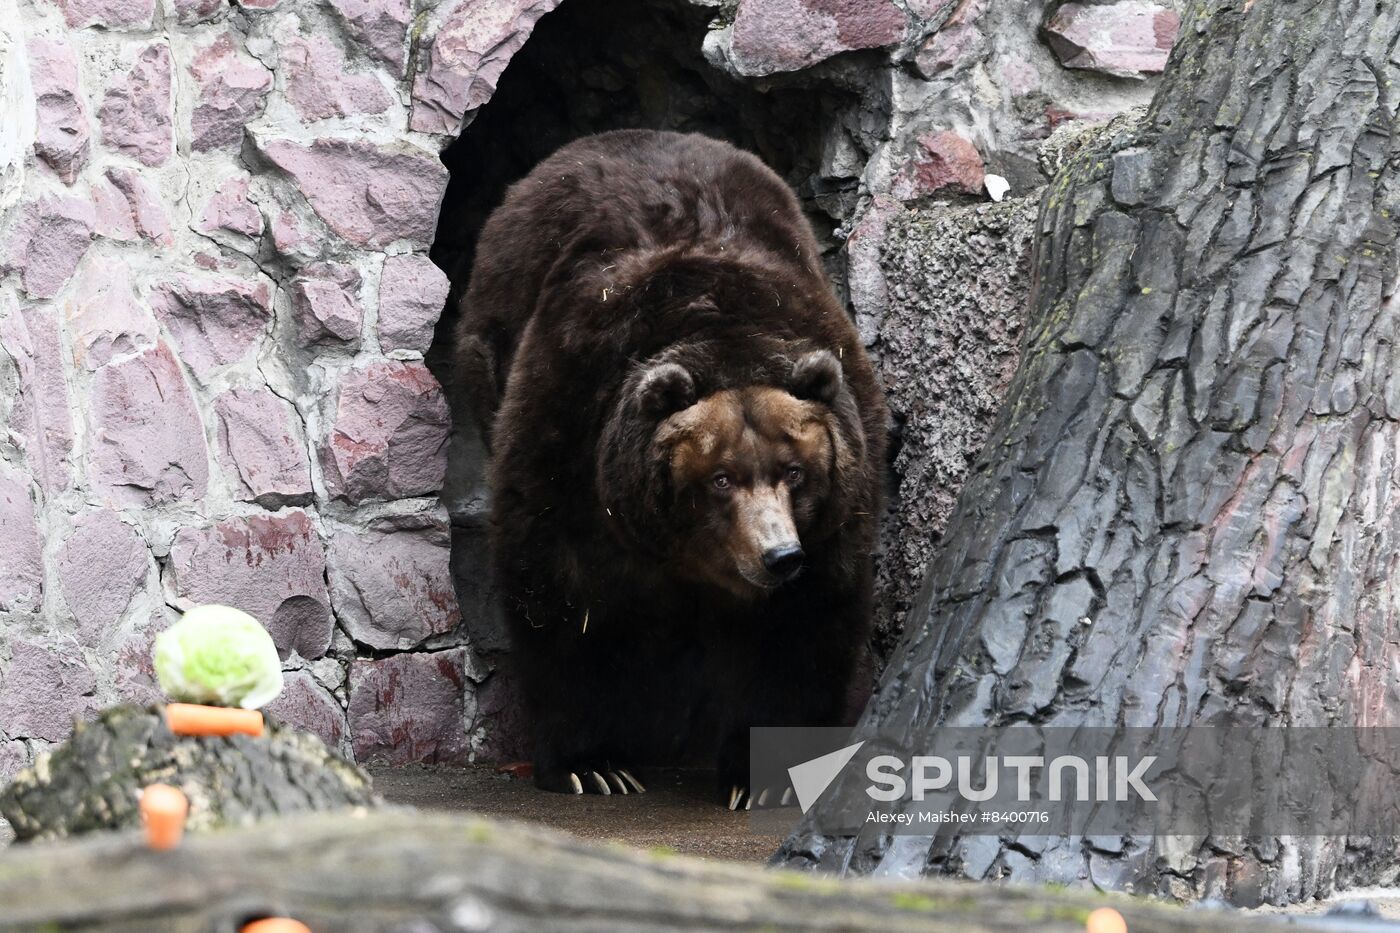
676 811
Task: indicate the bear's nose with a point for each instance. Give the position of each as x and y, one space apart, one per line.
783 561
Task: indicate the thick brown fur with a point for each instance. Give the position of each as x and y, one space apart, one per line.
630 280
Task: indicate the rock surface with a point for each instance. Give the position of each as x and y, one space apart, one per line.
137 112
214 320
272 567
949 342
230 86
412 292
21 557
389 434
63 138
46 240
145 436
471 49
43 691
326 302
1129 39
261 445
772 36
102 565
369 194
409 707
390 584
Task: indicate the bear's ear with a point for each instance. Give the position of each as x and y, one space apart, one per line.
817 376
665 389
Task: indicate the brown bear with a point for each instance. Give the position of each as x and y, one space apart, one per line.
686 449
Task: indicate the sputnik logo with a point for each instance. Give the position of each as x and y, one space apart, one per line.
811 778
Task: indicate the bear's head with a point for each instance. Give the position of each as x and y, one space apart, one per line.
734 488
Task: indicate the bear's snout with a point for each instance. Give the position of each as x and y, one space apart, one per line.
783 561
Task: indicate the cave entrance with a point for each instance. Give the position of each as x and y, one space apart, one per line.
589 66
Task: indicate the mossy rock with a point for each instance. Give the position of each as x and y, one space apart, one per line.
91 782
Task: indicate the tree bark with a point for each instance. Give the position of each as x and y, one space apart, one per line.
401 870
1198 454
92 782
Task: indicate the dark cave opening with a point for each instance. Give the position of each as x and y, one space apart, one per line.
590 66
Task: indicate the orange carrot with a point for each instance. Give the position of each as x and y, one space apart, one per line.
276 925
1106 920
193 719
163 812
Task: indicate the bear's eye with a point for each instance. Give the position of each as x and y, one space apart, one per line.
721 481
793 475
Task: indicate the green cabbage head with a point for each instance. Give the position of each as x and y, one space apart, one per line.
218 656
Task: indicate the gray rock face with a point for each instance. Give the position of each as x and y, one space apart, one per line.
958 281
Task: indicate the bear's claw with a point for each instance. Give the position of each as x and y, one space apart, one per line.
741 798
603 781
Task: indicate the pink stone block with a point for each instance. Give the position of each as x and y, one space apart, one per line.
326 305
14 758
388 439
1130 38
42 692
21 556
949 48
272 567
320 84
412 292
113 213
109 14
101 566
772 36
215 320
307 706
380 26
46 240
390 583
370 195
190 12
475 42
41 416
62 138
261 446
230 86
145 440
143 204
229 208
136 114
944 163
134 678
105 320
410 708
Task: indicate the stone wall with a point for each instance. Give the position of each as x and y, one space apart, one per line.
216 301
215 306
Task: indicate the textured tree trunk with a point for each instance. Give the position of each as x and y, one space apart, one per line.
400 870
1187 511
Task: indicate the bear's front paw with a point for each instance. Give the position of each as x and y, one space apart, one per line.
605 779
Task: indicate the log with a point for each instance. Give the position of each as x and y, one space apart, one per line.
93 781
397 869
